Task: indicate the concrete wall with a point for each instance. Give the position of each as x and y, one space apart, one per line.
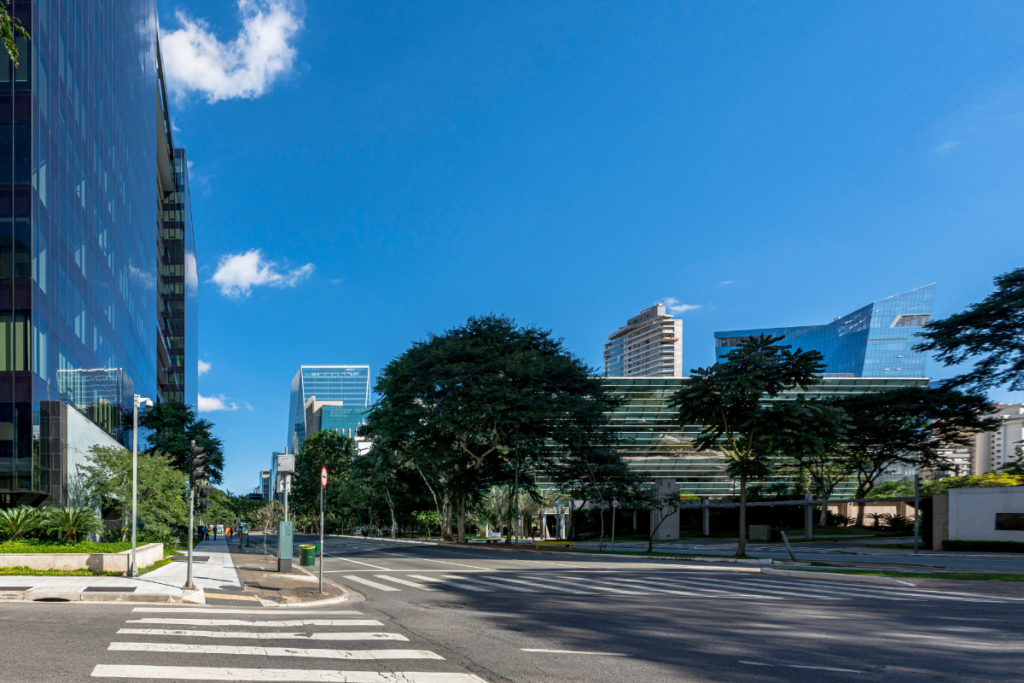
665 487
97 562
972 513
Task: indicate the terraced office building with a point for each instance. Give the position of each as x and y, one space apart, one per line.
653 443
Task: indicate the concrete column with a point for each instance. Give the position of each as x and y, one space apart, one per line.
666 487
808 517
706 514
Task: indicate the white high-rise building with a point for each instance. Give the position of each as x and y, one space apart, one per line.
998 447
650 345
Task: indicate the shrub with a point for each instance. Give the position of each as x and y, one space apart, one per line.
71 522
17 522
898 524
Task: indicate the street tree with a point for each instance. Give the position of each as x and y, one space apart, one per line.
727 403
335 451
172 429
990 333
107 476
479 400
906 426
10 29
810 434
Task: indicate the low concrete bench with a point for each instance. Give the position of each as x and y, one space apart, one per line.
546 544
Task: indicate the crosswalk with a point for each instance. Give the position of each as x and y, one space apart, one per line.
187 643
699 584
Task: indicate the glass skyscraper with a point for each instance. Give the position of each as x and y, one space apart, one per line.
874 341
337 398
90 182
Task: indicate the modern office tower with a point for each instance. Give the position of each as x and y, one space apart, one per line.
874 341
335 397
265 487
650 345
87 319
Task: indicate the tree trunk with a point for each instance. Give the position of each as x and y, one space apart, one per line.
511 513
446 518
461 516
823 515
391 509
741 545
862 491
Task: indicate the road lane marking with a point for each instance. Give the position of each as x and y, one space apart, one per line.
214 673
492 586
577 581
727 592
289 623
574 652
835 669
542 585
252 610
365 564
371 584
263 635
457 564
743 585
252 650
411 584
435 579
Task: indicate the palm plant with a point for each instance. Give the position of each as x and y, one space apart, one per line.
72 522
16 522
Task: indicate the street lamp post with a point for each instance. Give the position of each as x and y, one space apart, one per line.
136 400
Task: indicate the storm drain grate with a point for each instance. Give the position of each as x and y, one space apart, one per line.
110 589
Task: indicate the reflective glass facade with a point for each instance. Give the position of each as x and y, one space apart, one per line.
873 341
80 257
654 445
347 384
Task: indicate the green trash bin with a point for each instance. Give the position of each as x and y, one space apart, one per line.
307 555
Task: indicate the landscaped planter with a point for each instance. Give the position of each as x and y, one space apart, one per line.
97 562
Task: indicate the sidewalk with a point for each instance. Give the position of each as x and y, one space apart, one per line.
217 579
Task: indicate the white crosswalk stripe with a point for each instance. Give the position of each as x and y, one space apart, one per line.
673 582
203 654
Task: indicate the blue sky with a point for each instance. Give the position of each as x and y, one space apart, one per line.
367 172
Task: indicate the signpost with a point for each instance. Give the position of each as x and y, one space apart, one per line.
323 489
615 506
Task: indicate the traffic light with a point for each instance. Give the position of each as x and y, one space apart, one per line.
203 500
198 472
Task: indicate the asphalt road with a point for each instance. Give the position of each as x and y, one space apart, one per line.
426 613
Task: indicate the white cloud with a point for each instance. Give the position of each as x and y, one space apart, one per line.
675 306
195 60
725 283
204 367
210 404
947 146
237 274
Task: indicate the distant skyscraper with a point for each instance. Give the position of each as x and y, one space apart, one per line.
874 341
650 345
327 397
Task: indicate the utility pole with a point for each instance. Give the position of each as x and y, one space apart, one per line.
917 508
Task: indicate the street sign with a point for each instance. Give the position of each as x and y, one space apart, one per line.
323 477
615 502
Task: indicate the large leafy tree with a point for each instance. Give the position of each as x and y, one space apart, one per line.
727 401
809 435
335 451
172 429
479 401
908 426
107 477
990 333
10 28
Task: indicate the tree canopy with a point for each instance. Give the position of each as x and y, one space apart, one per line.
726 401
172 428
468 408
990 333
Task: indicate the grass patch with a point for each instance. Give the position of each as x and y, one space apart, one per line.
27 571
961 576
34 545
156 565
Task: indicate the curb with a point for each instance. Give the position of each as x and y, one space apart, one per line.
588 553
46 595
841 578
389 540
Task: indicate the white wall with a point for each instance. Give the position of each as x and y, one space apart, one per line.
972 513
82 435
